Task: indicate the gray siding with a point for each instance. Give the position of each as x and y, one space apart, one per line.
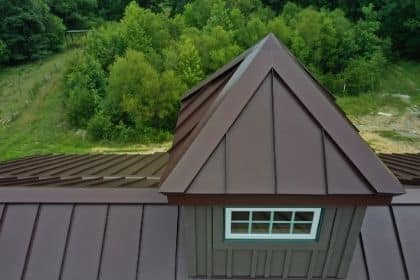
209 254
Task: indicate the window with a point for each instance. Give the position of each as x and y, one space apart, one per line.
271 223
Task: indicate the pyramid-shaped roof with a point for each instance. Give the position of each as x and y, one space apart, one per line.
262 125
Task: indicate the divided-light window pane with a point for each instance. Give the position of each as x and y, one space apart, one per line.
271 223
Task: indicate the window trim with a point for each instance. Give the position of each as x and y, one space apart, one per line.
275 236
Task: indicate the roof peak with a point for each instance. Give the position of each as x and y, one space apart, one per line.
271 57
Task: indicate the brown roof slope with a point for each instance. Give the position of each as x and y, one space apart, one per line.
142 241
406 167
100 170
88 241
139 170
270 69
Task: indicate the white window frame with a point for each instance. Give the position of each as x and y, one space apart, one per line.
255 236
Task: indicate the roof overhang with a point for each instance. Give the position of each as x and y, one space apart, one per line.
259 199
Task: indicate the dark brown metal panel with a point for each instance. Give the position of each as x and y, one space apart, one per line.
249 146
72 159
80 195
380 242
411 197
300 163
270 199
219 118
85 163
191 115
212 177
407 220
405 166
343 178
46 254
15 237
330 118
87 169
121 244
10 167
157 258
357 269
83 250
155 166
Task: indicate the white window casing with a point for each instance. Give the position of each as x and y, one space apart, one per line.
269 224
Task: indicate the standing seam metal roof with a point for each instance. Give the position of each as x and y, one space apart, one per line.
42 241
198 143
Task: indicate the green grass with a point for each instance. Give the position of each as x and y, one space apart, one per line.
33 121
395 135
401 78
40 126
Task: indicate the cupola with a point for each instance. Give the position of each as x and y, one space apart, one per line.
273 179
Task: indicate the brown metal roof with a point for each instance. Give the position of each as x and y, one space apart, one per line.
406 167
141 171
100 170
142 241
265 126
88 241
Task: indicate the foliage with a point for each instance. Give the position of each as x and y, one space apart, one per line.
105 44
399 20
4 52
28 30
84 87
148 59
41 125
76 14
133 86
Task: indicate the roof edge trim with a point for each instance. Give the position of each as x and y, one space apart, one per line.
81 195
269 199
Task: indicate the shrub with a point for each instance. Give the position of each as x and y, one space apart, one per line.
99 127
29 30
133 86
81 105
4 52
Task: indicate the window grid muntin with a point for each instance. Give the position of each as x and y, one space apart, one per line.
270 235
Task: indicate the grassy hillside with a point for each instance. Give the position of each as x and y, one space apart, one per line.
32 118
389 119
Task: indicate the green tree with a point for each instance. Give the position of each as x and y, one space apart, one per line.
85 88
76 14
4 52
184 59
105 44
133 85
29 30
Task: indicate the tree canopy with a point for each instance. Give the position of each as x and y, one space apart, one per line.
142 64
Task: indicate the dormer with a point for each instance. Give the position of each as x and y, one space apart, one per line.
272 177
